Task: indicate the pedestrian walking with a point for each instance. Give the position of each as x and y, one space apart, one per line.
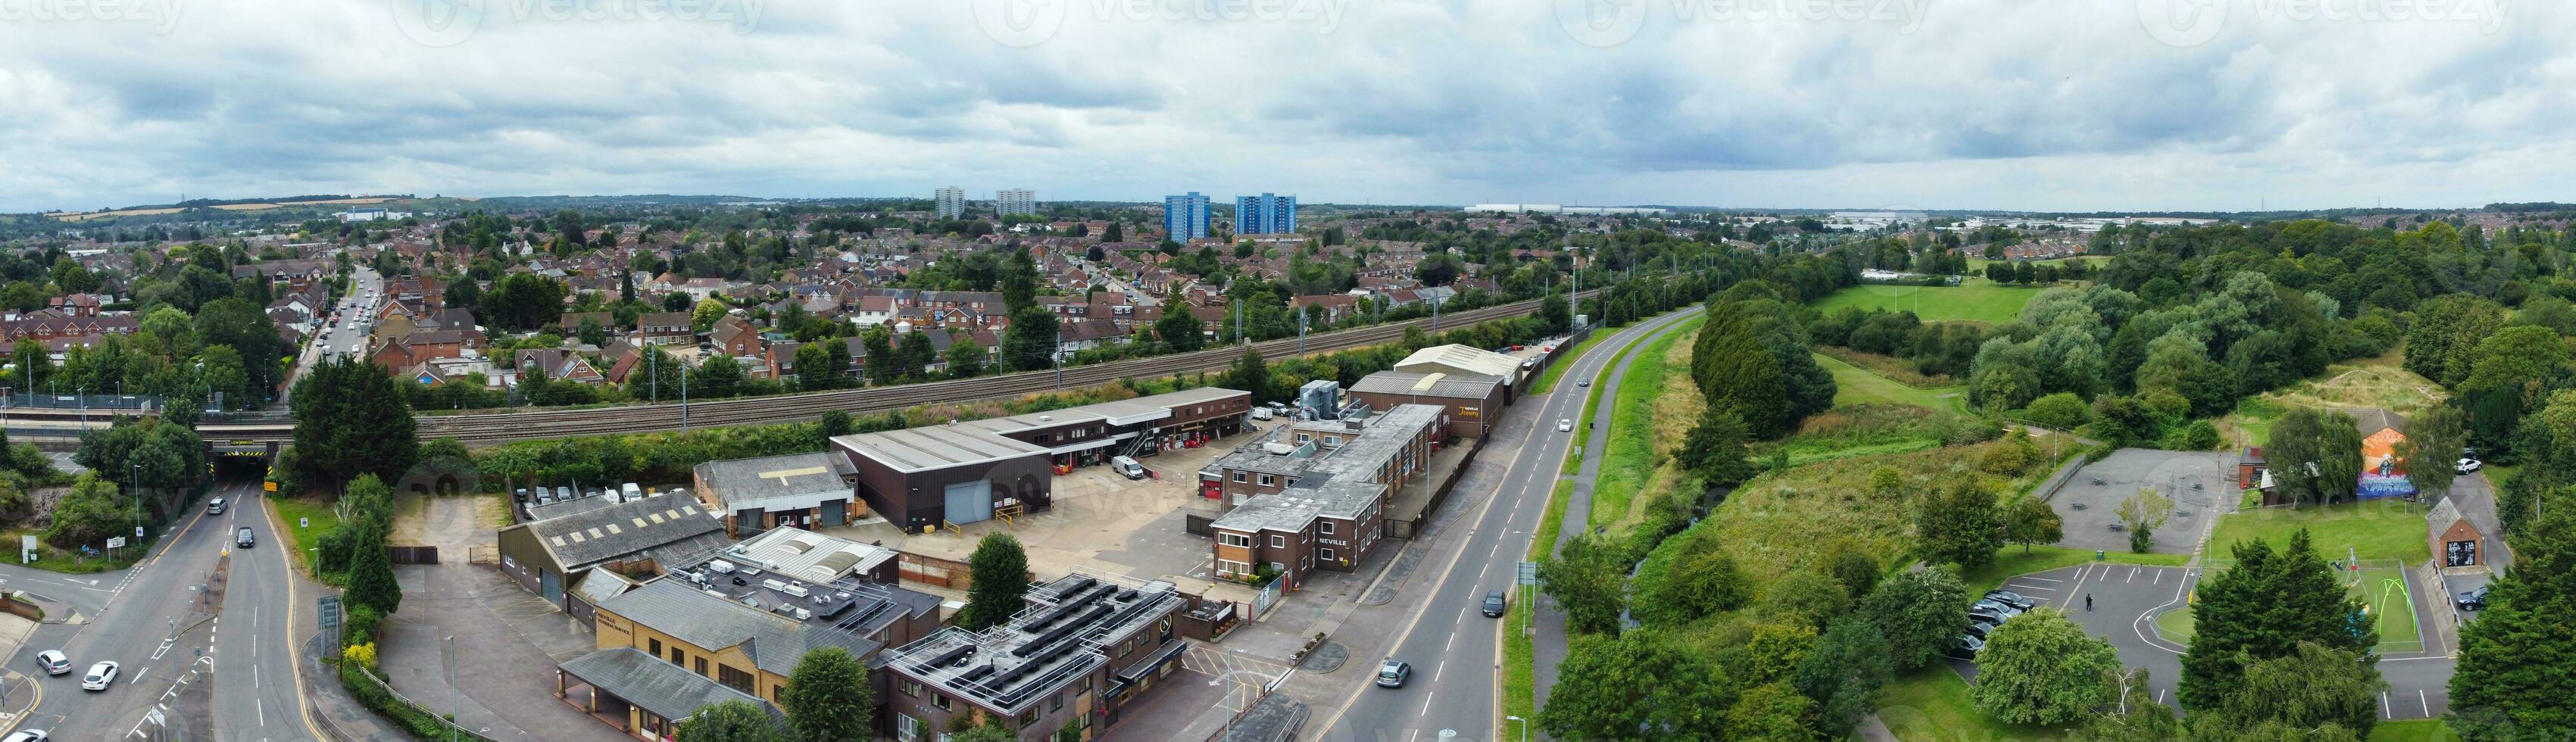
2088 600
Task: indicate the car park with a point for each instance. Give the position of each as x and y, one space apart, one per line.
1564 425
2010 598
1496 604
53 662
2468 465
2473 600
1393 673
1127 467
1965 648
99 677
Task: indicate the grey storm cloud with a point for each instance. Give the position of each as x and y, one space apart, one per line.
1949 103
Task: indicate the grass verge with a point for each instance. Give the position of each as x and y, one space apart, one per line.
1520 666
304 520
1629 458
1932 705
2413 730
1547 381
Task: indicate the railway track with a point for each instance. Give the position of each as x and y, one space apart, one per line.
495 428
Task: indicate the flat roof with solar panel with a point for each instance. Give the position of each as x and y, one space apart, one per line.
1059 637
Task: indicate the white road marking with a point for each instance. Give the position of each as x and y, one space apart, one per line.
1453 643
1426 702
1436 671
2160 696
2428 704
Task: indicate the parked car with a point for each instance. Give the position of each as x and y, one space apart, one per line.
28 735
1965 648
1393 673
1989 615
2474 600
1980 629
53 661
1495 604
2006 610
1564 425
2010 598
1127 467
215 506
100 676
2469 465
242 537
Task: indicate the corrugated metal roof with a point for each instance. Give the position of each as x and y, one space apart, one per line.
667 690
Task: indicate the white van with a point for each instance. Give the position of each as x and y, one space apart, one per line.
632 492
1126 467
1261 413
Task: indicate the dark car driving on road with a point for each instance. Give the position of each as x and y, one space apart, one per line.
1494 604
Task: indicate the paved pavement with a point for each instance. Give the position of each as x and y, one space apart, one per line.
2086 508
1432 625
507 640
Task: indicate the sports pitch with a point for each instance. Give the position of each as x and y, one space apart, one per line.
1977 300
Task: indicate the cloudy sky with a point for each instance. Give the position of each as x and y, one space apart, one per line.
2005 104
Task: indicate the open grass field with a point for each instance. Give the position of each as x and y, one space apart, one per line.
1932 705
1787 520
2371 382
1856 386
1977 300
2371 529
2381 587
1895 369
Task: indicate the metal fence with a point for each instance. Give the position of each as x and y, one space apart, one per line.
106 402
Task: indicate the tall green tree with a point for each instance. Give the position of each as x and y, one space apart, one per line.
371 573
1615 687
2433 437
2316 455
2262 608
352 419
2446 332
2041 668
1920 612
1250 374
247 328
90 513
829 698
916 354
999 569
1843 673
1715 449
2312 688
1178 330
965 358
2517 670
2031 521
1961 526
1588 578
731 721
883 367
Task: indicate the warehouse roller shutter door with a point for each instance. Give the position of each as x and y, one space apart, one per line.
970 502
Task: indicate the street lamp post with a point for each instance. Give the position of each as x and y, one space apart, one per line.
1524 727
455 707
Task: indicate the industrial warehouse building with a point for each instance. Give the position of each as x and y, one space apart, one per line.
1312 494
806 490
1078 655
1473 402
920 479
1467 361
637 540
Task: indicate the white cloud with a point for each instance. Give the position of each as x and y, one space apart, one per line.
1948 103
